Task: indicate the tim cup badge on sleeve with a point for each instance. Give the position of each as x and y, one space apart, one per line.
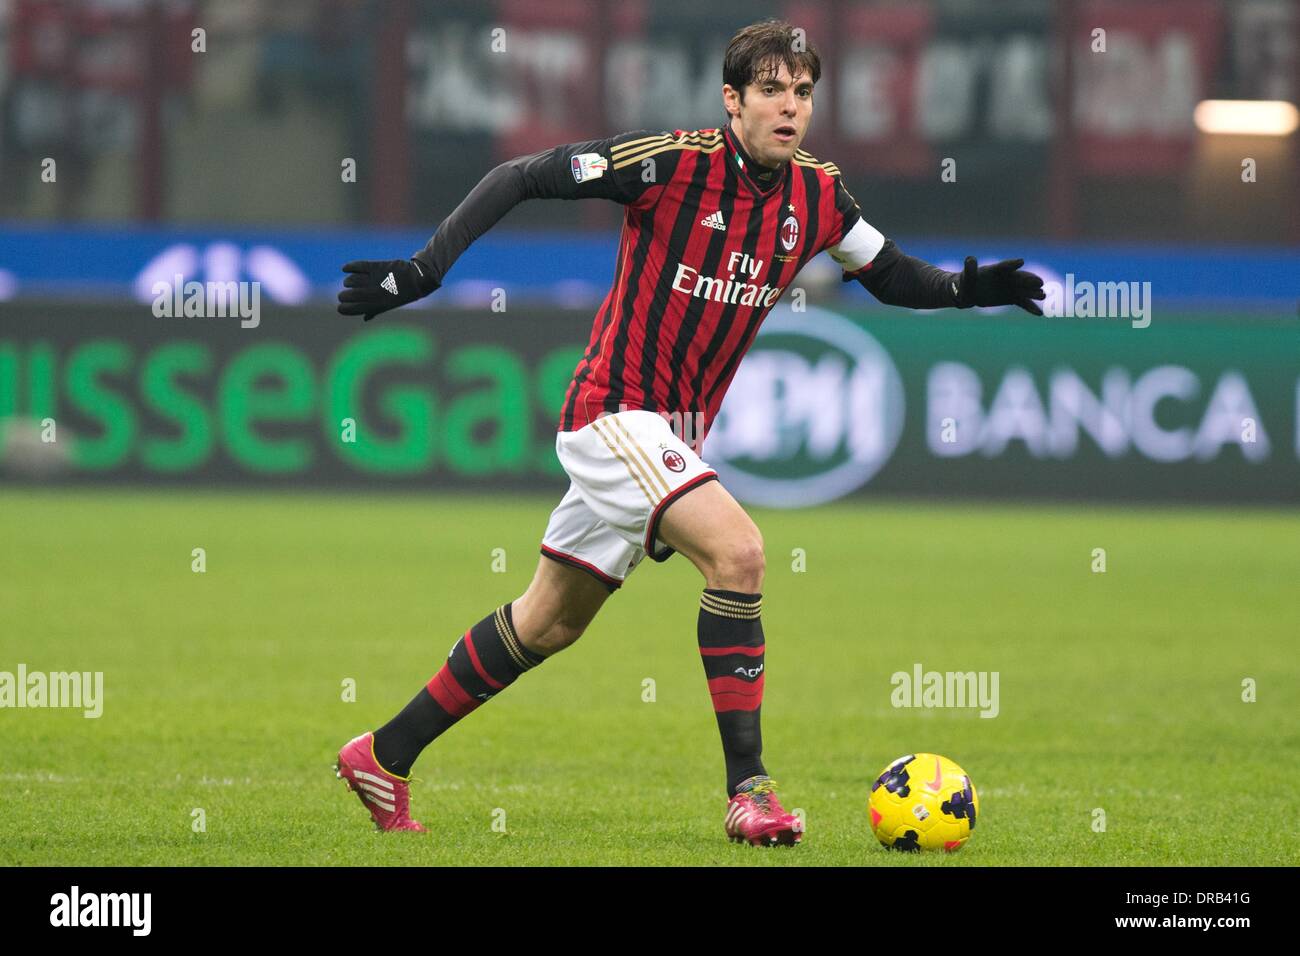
587 166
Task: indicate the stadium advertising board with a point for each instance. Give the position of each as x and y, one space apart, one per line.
825 405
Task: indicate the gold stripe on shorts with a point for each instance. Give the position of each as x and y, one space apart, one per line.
631 466
662 483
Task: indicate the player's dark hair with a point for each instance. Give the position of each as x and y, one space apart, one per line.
756 53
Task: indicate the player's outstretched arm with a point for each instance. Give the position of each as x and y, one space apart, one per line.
587 170
374 287
896 278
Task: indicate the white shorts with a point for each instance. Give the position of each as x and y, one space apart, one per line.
624 470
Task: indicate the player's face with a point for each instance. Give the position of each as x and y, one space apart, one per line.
774 116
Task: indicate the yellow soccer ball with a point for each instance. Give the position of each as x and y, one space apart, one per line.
923 802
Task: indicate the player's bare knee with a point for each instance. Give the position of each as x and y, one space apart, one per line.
532 623
557 637
740 567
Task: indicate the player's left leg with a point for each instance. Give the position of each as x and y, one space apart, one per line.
710 527
645 483
712 530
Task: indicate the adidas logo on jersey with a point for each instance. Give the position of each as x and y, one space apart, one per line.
389 284
715 221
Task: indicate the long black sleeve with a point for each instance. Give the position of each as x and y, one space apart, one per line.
896 278
889 274
496 194
597 169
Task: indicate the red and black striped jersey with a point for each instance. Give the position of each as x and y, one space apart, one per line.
709 244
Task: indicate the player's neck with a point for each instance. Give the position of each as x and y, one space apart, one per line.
758 169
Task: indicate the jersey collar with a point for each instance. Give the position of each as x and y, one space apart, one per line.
759 178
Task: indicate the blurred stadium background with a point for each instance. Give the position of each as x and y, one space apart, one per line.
133 149
1013 131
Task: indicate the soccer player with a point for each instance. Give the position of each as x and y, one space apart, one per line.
718 222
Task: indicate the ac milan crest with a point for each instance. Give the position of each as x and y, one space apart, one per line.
789 232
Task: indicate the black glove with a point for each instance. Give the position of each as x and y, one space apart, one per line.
1003 284
375 287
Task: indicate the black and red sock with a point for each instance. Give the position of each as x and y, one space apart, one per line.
731 645
484 662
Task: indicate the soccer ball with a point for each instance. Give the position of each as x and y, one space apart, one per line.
923 802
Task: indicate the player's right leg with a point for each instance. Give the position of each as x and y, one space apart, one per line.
549 616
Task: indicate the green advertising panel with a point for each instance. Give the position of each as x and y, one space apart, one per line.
305 397
825 405
949 403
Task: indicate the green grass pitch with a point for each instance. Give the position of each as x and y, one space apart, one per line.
224 690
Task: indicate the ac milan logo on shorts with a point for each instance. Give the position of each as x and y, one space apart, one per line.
674 461
789 232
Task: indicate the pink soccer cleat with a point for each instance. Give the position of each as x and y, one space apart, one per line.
756 815
385 795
